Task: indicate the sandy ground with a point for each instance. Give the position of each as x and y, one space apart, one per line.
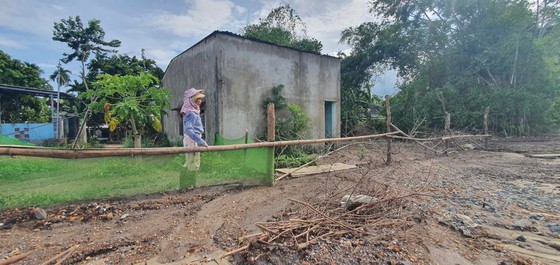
479 206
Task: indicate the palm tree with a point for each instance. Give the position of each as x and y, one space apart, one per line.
62 77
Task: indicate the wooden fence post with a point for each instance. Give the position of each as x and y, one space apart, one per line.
447 127
271 133
388 108
486 112
270 136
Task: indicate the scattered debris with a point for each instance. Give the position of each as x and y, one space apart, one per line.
351 202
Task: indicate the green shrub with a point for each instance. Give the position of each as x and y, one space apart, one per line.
292 123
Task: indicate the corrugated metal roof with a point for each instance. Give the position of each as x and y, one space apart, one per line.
34 91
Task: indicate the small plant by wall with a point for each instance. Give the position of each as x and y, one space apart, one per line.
292 123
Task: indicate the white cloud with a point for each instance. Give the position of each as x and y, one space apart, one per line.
11 43
46 67
327 23
201 18
35 17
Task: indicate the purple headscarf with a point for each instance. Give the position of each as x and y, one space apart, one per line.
188 103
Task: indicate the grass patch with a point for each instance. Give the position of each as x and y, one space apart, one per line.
6 140
31 181
34 181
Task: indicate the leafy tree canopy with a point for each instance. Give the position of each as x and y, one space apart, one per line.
83 41
283 26
17 73
15 107
131 99
462 56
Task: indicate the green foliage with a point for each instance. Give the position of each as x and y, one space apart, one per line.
160 140
123 65
15 107
462 56
17 73
284 27
295 126
61 76
292 123
131 99
83 41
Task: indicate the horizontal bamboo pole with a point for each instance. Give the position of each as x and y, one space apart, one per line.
105 152
465 136
438 138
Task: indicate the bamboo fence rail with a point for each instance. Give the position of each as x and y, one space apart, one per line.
106 152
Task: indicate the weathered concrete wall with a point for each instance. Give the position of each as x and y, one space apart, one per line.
239 74
251 69
195 67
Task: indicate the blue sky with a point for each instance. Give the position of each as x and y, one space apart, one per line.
164 28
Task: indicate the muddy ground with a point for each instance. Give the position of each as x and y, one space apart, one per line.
468 206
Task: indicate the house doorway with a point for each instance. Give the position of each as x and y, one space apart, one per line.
330 118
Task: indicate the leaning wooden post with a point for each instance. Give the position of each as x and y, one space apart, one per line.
486 111
447 127
271 123
447 130
270 136
388 108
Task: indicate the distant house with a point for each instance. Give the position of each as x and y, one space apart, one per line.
37 132
238 74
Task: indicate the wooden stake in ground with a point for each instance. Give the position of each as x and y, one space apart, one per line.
447 127
486 111
271 133
388 108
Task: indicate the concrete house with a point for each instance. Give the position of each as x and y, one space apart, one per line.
238 74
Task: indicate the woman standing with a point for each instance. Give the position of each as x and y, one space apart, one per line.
192 126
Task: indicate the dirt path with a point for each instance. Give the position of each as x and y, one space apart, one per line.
473 207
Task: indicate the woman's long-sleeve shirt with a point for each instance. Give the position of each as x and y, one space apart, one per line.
192 125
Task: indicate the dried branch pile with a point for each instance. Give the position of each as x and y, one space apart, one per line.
311 224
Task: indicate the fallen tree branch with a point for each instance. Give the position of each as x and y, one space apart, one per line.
328 217
63 254
417 141
15 258
235 251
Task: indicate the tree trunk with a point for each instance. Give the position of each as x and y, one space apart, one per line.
135 134
447 127
82 136
486 112
389 140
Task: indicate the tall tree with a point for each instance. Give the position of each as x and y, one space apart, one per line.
15 107
460 56
83 41
283 26
62 78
